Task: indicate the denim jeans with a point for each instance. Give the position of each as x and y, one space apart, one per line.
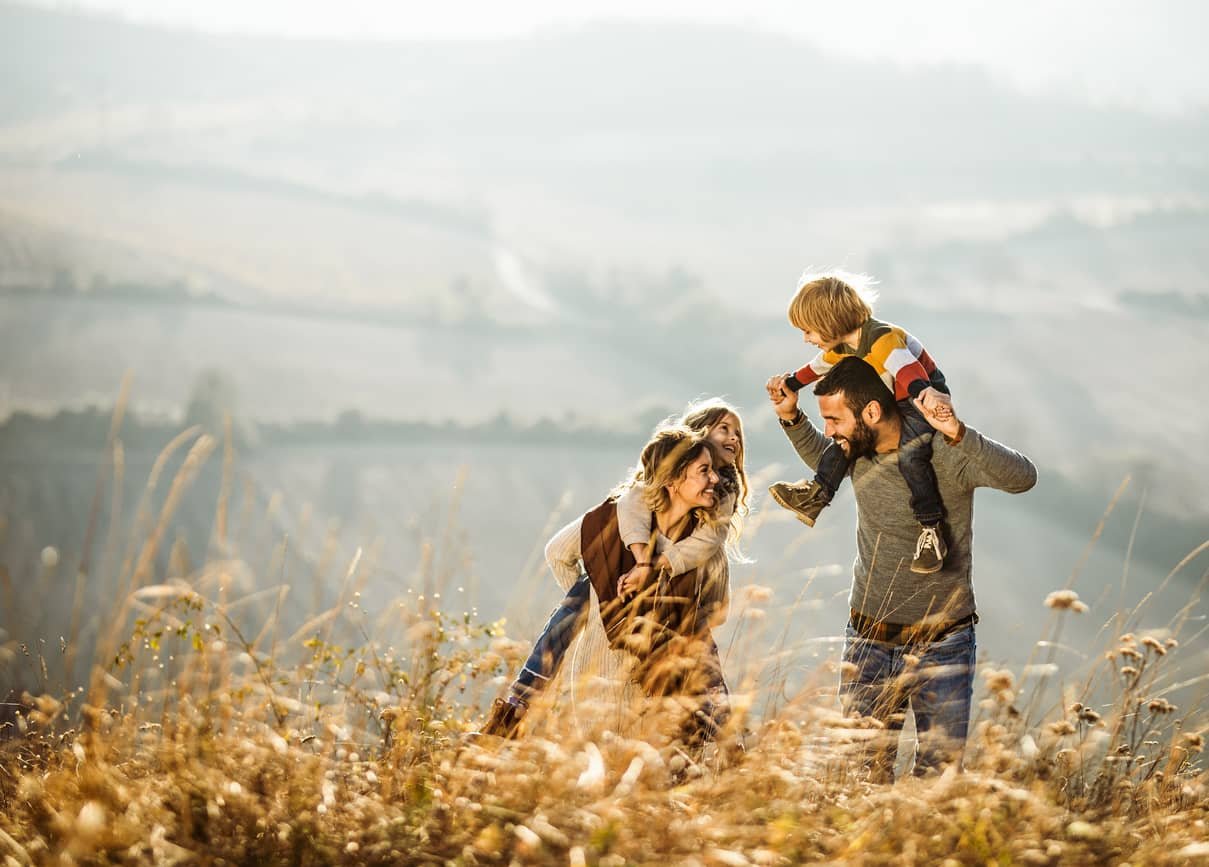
935 678
555 640
914 462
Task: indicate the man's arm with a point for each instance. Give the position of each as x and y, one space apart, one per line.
988 464
806 438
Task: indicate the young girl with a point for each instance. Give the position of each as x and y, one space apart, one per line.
703 550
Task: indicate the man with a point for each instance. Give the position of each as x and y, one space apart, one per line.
910 638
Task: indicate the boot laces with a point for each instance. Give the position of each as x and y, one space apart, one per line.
928 538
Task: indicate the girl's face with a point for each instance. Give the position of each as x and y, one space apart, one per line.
726 436
695 489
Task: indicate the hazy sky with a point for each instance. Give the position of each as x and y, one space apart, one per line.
1138 52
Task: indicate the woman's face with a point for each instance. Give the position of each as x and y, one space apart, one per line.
695 489
725 435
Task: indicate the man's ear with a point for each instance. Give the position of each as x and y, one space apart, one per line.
872 413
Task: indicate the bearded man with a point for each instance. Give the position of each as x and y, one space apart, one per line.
909 645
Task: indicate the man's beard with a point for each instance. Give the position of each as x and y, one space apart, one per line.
862 443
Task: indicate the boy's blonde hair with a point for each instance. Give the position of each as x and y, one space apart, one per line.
833 303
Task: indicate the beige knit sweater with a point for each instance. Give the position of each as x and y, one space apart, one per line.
599 675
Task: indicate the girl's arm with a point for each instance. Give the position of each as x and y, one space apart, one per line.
634 524
707 540
563 555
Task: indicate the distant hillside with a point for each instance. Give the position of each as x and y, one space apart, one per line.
397 174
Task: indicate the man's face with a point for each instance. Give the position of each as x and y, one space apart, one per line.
846 429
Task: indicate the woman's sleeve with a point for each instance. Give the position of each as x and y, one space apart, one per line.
563 555
633 516
715 590
706 541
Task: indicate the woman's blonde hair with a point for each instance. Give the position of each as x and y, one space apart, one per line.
833 303
665 459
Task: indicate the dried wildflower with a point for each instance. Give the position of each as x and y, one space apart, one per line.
1160 705
1089 716
1193 741
1128 671
1064 600
1130 653
757 593
1062 727
1171 644
998 680
1155 645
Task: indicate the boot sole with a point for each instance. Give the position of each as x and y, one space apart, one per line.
935 568
805 519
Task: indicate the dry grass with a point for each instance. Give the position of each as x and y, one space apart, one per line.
210 729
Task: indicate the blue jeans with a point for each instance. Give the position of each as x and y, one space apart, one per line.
914 462
881 681
555 640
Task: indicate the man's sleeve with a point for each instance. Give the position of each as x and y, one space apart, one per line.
990 464
807 439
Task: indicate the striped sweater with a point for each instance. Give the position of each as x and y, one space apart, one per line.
899 359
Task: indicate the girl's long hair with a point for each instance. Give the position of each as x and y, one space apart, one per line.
700 417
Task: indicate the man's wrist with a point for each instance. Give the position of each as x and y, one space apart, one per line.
957 436
794 420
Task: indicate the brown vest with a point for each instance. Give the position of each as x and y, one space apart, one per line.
667 606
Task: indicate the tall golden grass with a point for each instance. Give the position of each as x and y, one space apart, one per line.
209 728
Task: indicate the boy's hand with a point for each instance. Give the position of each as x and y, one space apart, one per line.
776 386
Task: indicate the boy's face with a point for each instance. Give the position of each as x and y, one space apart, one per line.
811 336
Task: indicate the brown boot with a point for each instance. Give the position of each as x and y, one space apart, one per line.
930 551
504 721
805 499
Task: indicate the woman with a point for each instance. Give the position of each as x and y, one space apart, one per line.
654 611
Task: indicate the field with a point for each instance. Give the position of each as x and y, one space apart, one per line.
217 720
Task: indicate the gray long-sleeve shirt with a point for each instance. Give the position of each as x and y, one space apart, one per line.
883 586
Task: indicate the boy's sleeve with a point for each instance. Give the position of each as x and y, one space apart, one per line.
704 542
563 555
803 376
906 360
807 440
990 464
633 516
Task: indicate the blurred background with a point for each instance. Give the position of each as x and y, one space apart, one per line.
445 268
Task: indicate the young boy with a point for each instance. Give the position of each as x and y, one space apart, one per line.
834 312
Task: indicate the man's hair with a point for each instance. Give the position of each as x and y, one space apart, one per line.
834 303
856 379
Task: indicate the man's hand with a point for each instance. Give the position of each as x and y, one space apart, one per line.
784 400
943 417
937 402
